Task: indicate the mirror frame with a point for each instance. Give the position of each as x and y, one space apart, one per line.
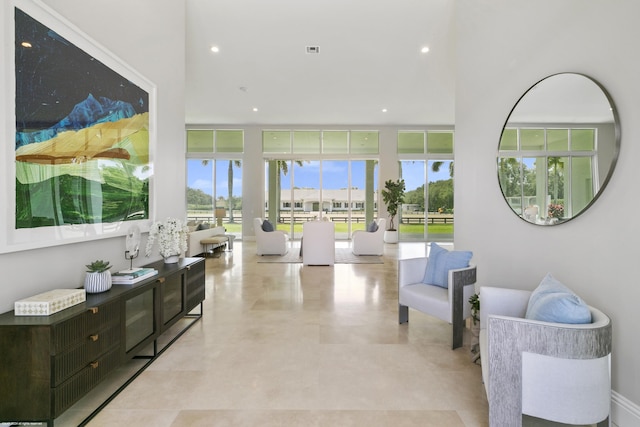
614 159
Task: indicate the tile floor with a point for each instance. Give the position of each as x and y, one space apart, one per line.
287 345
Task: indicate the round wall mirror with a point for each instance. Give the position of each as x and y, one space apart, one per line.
558 149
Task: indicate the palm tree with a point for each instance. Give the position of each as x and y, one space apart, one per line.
435 167
281 168
510 175
232 163
556 164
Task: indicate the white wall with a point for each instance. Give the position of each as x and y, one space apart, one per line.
155 47
504 46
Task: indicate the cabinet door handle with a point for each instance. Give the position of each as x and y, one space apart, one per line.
160 280
93 310
95 364
94 337
188 267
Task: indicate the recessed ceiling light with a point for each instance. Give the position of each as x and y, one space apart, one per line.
215 49
424 49
255 108
384 110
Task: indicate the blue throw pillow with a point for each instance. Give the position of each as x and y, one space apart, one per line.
553 302
430 273
441 261
372 227
267 226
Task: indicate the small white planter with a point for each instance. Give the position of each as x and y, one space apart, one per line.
95 282
391 236
171 259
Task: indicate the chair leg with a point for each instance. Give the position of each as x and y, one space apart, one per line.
457 327
403 313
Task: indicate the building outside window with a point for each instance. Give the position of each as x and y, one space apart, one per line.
322 173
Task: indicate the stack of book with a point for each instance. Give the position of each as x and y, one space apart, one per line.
134 275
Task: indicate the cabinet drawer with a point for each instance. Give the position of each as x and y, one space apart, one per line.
78 385
90 348
195 285
76 329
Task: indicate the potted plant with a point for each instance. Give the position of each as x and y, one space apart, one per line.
556 210
393 197
171 236
474 300
98 278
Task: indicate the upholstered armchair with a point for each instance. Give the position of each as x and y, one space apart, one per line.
449 304
555 371
318 243
269 242
369 242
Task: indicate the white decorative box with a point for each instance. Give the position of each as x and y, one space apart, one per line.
50 302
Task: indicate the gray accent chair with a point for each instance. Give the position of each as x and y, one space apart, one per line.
449 304
554 371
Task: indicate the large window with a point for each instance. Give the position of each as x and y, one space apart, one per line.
315 171
214 177
426 165
331 173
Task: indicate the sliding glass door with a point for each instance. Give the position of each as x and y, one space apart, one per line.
342 191
426 166
214 177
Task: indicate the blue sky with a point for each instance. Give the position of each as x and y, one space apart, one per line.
334 175
413 173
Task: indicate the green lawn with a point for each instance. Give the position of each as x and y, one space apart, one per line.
416 229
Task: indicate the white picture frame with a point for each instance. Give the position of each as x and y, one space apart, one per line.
66 181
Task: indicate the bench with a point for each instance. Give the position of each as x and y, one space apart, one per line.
214 242
195 238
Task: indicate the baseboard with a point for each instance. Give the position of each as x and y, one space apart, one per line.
624 413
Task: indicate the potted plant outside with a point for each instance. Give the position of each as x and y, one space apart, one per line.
98 278
393 197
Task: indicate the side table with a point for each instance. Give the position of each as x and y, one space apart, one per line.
230 242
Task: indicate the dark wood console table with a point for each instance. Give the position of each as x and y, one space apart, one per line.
47 363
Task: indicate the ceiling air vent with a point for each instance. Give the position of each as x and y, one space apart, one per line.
313 49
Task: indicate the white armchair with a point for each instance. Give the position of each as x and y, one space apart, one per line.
448 304
369 243
555 371
318 243
269 242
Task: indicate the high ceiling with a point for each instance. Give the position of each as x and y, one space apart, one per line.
369 59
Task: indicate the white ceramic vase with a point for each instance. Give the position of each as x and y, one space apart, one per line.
171 259
391 236
95 282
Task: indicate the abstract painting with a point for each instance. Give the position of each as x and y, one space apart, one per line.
82 138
